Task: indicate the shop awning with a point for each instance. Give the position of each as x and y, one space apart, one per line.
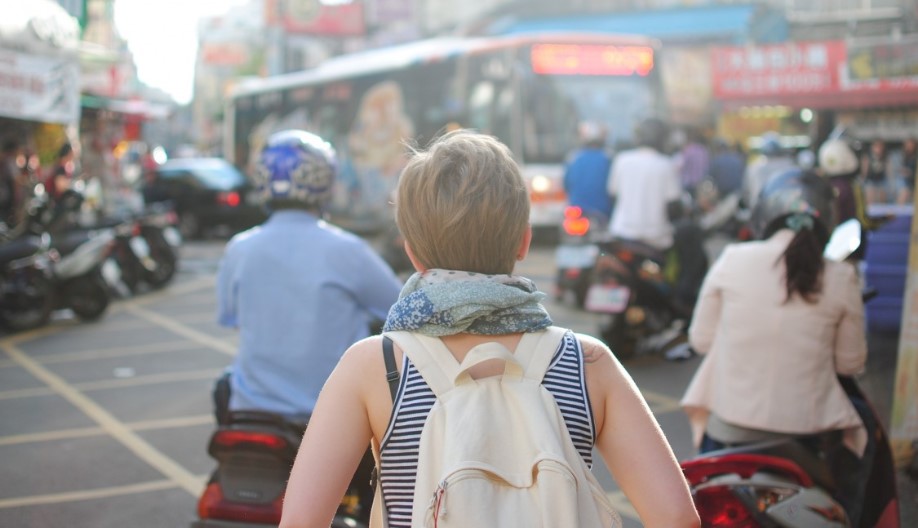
736 24
40 27
133 107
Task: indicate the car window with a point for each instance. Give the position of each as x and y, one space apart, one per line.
174 175
220 176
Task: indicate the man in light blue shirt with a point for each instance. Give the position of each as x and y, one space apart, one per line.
299 290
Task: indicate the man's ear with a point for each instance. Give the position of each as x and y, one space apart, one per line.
420 268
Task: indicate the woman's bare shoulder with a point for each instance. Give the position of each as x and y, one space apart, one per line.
362 358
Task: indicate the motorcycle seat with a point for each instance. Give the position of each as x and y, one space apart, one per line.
809 460
67 242
18 248
265 419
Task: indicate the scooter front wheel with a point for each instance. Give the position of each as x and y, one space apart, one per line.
28 303
88 297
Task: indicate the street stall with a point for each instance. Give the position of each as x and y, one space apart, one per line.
39 75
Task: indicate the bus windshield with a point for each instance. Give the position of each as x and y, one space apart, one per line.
556 104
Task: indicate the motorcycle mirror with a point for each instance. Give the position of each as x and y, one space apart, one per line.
845 240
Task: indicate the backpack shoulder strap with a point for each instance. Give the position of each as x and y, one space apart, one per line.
391 367
441 371
536 350
430 356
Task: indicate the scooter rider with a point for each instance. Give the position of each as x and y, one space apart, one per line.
777 323
587 173
839 163
648 208
299 289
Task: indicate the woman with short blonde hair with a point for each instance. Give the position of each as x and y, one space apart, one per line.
463 210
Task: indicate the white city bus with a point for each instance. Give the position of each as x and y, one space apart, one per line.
528 90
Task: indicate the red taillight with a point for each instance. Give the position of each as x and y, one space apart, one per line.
228 438
228 198
575 224
135 229
171 217
213 505
718 507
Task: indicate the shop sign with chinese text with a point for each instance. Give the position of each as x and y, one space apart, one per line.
39 88
790 70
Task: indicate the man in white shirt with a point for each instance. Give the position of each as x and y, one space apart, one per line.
645 186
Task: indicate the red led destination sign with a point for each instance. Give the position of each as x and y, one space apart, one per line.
591 59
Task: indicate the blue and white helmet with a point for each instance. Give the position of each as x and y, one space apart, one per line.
297 166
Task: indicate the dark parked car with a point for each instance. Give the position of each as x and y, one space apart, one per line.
207 193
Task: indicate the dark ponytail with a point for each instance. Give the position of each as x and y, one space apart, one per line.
803 260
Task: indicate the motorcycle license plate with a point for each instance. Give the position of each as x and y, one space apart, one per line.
607 299
172 236
570 257
140 247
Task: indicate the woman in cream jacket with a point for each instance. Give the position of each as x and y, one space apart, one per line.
777 323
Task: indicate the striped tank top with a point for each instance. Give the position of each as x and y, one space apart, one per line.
414 399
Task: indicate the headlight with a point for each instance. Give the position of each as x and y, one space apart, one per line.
541 184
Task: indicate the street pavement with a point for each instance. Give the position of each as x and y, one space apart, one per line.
106 424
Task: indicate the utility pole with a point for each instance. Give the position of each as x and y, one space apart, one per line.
904 420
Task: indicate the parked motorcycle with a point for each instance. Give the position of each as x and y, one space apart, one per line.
84 274
79 269
254 452
577 251
146 247
26 287
159 227
785 483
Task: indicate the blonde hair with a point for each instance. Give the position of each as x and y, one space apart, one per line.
463 205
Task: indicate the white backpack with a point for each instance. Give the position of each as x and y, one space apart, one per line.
495 452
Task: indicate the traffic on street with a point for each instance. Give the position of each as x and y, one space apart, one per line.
107 423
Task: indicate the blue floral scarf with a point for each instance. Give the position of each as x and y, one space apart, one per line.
442 302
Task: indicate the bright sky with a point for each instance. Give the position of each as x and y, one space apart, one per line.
162 35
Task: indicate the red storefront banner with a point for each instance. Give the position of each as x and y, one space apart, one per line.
813 74
310 17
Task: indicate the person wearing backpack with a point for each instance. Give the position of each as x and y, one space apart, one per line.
480 412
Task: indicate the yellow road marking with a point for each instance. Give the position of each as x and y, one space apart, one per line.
25 393
152 379
100 493
173 423
115 352
117 429
200 317
186 331
173 290
82 432
136 381
661 403
49 436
